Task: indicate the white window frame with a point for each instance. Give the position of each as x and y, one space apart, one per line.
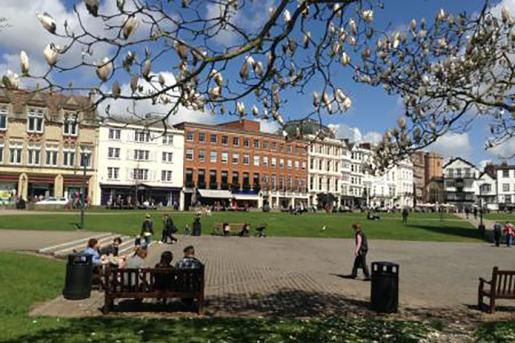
235 158
202 155
32 152
213 156
224 158
54 150
141 136
113 153
166 176
190 155
257 159
83 152
114 134
168 139
17 148
167 157
246 159
4 112
36 115
144 174
67 152
141 155
113 173
71 119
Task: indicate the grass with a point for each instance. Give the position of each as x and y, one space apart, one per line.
421 227
501 216
497 332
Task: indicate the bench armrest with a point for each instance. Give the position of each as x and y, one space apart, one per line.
484 281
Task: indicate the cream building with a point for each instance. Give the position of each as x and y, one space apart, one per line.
325 159
44 140
139 162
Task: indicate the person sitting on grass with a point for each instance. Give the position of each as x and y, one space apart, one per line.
161 281
226 228
189 261
245 230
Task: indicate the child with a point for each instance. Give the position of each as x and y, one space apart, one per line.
187 230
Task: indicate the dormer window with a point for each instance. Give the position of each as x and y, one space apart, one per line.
71 124
3 117
35 120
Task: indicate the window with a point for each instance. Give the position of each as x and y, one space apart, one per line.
274 161
71 124
69 157
141 155
189 155
168 139
281 163
141 136
256 143
225 157
115 134
34 155
85 158
235 178
289 164
202 137
140 174
51 155
505 173
35 120
201 178
201 155
1 152
15 151
256 160
3 118
236 141
113 173
225 140
246 159
246 142
212 179
265 145
113 153
213 156
167 157
189 177
505 187
166 175
265 161
189 136
213 138
297 165
274 146
235 158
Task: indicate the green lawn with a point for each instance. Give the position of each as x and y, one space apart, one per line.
421 227
501 216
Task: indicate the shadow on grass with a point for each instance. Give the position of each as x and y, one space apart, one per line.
450 231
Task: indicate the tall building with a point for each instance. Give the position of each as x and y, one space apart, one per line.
433 170
418 159
235 164
325 158
505 183
139 162
460 183
46 141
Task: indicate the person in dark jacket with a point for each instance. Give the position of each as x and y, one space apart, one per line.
112 249
168 230
497 233
405 214
163 280
147 230
197 227
360 252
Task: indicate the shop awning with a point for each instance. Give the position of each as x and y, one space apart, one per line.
246 197
213 193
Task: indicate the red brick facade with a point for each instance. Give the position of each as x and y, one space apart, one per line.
237 156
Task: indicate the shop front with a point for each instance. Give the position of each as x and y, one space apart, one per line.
218 198
246 200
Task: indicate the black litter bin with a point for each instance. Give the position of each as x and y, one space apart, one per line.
384 296
79 272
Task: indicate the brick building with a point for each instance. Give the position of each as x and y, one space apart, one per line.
235 164
45 140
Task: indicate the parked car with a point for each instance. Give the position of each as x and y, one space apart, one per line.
53 201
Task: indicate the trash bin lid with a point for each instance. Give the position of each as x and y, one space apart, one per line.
385 267
384 263
79 258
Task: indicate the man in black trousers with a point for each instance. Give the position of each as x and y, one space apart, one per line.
360 252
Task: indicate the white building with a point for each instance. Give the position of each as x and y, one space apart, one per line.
505 186
325 159
460 185
394 188
360 181
486 191
138 163
404 184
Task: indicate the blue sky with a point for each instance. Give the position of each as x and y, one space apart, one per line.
373 111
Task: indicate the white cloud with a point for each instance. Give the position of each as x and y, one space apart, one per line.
505 150
269 126
354 134
483 163
453 144
124 108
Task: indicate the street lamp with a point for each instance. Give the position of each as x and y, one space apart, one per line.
85 160
481 226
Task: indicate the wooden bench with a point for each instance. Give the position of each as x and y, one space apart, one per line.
154 283
218 230
502 286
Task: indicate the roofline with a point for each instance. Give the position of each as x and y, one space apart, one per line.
461 159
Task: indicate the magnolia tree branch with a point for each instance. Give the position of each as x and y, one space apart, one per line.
224 58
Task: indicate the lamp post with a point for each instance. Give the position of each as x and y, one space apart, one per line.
85 160
481 226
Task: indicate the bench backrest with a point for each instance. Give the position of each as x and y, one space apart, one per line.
150 280
231 225
503 281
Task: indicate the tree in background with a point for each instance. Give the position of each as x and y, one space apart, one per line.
448 70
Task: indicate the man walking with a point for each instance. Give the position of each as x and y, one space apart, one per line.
360 252
168 230
147 230
497 233
405 215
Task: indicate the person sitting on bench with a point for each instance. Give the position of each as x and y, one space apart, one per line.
161 281
226 228
245 230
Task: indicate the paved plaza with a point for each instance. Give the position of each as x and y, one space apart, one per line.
298 277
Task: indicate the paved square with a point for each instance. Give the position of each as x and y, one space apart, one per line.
300 276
